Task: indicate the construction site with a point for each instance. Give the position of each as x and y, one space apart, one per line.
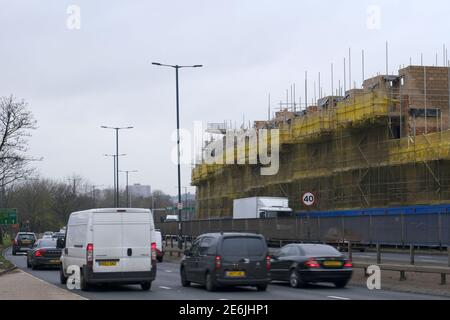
386 144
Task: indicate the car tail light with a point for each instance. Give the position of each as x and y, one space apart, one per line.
15 242
39 253
311 263
153 253
348 264
268 263
218 262
90 254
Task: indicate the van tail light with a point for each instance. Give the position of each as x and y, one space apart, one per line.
348 264
218 262
90 255
312 263
39 253
153 253
268 263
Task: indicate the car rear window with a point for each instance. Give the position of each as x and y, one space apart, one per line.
26 237
319 250
47 244
243 247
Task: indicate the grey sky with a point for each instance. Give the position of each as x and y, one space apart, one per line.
77 80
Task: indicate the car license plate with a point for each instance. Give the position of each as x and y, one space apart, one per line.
332 263
26 241
235 274
55 261
107 263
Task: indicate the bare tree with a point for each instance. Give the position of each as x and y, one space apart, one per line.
15 123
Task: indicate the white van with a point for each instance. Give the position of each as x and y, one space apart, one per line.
110 246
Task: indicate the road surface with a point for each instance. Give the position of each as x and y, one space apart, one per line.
167 286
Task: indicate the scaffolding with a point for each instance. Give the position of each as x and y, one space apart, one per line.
386 144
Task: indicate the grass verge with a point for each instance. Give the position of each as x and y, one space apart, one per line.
4 264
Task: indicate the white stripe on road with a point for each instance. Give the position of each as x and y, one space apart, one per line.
338 298
165 288
168 270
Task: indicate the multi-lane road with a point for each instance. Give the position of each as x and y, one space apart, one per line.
167 286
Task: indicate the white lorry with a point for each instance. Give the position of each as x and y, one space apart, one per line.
261 208
110 245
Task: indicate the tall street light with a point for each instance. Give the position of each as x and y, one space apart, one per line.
114 174
117 158
128 192
179 205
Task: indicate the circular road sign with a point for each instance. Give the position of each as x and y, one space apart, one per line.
308 199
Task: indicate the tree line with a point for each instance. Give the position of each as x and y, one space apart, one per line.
45 204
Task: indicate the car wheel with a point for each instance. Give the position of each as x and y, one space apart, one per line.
146 285
33 266
62 277
341 284
295 281
28 264
84 286
160 259
14 253
210 286
184 281
262 287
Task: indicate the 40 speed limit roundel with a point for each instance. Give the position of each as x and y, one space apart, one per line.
308 199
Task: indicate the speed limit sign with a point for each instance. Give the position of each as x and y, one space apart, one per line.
308 199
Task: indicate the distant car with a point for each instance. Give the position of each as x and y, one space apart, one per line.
159 248
48 233
47 236
58 235
44 253
171 218
227 259
23 242
300 264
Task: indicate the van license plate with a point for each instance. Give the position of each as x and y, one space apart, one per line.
107 263
235 274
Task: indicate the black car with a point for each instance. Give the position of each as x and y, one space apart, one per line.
300 264
23 242
227 259
44 253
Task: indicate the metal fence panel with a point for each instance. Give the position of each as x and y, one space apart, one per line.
387 229
422 229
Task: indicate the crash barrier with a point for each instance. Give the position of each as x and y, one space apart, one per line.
424 230
403 268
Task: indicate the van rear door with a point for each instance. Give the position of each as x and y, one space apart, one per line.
244 257
136 241
107 240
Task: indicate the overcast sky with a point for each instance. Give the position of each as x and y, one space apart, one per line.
76 80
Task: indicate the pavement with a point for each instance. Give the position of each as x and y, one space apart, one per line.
167 286
19 285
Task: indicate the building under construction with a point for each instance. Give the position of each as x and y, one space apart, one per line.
386 144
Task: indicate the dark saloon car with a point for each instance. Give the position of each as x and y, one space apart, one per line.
300 264
227 259
23 242
44 253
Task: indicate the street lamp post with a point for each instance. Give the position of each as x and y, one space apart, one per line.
179 205
128 192
114 174
117 159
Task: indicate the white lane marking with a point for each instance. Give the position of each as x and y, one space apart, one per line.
338 298
165 288
168 270
223 299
